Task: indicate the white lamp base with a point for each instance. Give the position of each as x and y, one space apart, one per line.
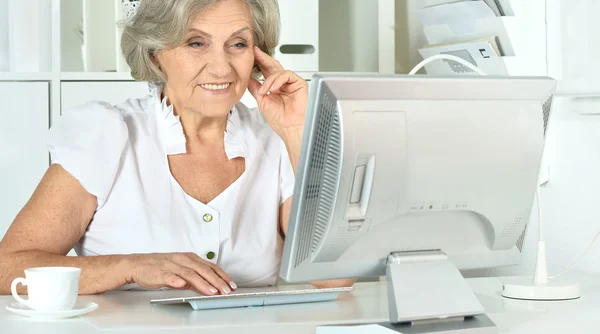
525 288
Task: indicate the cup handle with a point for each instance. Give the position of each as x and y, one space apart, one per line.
13 289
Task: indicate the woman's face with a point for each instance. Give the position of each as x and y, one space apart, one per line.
209 73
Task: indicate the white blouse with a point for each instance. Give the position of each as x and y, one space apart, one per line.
119 154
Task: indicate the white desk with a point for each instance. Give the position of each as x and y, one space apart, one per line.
126 312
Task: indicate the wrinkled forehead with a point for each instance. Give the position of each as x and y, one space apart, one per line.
224 17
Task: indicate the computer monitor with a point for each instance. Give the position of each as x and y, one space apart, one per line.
416 178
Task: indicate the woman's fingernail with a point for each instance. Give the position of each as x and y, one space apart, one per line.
233 285
213 290
226 290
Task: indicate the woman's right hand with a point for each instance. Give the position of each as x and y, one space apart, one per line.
179 271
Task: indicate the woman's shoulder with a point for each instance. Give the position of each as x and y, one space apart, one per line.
131 107
99 121
103 113
91 116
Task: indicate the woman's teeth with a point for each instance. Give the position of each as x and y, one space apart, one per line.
215 87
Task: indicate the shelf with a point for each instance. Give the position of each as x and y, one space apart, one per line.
25 76
96 76
124 76
521 38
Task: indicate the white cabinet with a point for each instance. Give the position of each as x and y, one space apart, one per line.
23 153
78 93
298 48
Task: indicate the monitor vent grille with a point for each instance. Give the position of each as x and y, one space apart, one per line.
546 107
512 228
521 239
323 171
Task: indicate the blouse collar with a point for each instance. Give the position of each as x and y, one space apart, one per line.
171 133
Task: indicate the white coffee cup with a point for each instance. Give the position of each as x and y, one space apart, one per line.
49 288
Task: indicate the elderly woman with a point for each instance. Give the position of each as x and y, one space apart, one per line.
185 188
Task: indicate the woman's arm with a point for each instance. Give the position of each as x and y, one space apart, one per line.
52 221
56 217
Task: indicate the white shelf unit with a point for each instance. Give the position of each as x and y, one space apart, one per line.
42 93
66 50
362 36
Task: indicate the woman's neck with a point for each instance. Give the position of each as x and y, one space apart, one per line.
199 129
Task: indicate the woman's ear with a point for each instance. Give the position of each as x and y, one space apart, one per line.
154 59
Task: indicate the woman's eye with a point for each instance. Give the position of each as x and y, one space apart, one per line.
240 45
195 44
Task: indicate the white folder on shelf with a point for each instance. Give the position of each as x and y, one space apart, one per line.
99 43
119 18
29 36
481 28
3 35
459 17
475 52
520 33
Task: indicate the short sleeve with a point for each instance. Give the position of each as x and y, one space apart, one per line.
287 178
88 142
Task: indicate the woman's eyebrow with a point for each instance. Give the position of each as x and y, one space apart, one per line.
237 32
200 32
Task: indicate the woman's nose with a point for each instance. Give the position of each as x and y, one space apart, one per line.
218 65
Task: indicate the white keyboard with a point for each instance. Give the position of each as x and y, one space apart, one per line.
247 297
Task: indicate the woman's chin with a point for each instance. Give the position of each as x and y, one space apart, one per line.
214 109
217 99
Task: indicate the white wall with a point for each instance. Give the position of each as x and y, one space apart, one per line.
570 201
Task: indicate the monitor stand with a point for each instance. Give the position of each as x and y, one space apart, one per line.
427 294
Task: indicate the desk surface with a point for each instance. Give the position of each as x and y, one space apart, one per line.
127 311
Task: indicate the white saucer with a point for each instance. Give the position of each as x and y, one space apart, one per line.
81 307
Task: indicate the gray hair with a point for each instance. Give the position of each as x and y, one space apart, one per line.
162 24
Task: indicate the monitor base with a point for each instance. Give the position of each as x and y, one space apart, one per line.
527 289
480 324
425 286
